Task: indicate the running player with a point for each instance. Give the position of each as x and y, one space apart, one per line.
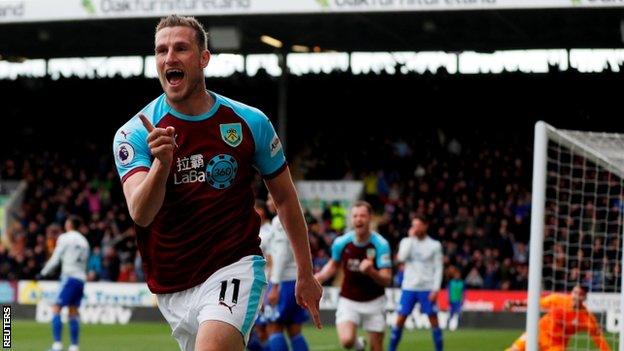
187 162
364 257
71 253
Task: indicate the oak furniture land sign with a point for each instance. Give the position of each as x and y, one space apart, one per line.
66 10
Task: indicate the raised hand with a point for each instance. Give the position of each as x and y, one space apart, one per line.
366 265
161 141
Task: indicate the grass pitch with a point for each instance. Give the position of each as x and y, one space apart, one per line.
31 336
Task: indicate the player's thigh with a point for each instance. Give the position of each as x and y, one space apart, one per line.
427 306
347 332
218 336
407 302
175 309
374 322
233 295
185 339
376 340
76 296
347 311
65 293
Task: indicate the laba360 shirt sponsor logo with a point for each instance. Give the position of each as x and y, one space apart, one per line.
220 171
189 169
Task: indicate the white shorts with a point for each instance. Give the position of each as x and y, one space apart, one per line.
233 295
369 314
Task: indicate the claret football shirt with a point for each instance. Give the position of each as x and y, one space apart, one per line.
207 220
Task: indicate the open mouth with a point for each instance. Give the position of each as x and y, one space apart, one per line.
174 76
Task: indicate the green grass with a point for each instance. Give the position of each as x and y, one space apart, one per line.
420 340
31 336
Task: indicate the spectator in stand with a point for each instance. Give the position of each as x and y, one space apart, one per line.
127 273
94 265
473 279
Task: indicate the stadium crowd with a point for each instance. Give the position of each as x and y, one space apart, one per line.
474 186
476 197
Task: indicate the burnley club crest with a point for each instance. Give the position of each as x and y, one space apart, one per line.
232 134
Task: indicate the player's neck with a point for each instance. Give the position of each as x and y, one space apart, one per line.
200 102
363 238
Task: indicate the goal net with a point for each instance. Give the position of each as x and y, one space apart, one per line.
576 233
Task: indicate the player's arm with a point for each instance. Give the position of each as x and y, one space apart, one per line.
552 300
596 333
145 190
145 193
438 272
308 289
382 276
331 267
55 259
404 250
380 270
329 270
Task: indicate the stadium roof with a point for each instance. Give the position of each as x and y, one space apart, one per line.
483 30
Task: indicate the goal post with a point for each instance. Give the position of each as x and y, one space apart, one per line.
577 227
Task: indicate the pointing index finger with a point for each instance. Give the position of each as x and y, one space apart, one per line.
314 311
146 123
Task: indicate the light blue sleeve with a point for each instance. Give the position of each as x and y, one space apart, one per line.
269 156
382 259
130 149
338 246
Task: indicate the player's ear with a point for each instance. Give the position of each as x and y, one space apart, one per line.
205 58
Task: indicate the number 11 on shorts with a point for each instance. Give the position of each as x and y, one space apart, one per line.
224 284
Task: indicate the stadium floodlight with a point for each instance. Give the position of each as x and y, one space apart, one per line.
300 48
269 40
577 227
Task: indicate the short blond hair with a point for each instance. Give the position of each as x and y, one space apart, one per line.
181 21
361 203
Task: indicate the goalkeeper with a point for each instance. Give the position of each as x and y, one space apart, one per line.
566 316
